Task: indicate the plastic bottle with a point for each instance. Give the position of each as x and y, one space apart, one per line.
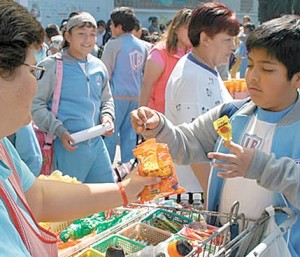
115 251
197 203
185 200
178 248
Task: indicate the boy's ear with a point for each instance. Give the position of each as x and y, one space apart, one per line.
296 80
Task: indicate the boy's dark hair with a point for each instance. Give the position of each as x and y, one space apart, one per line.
101 23
125 17
152 19
137 25
52 30
212 18
18 31
280 37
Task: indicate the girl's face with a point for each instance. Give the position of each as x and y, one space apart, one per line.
16 96
82 41
268 83
183 38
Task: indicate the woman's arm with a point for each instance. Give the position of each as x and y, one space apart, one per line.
59 201
151 74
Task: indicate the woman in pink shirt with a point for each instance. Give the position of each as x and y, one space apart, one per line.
162 59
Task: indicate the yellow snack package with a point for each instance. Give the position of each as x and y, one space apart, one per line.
155 160
223 128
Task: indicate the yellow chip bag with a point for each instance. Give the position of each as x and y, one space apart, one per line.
223 128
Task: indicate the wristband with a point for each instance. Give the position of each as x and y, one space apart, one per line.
123 194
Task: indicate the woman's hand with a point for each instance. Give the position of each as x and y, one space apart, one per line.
235 164
134 184
144 118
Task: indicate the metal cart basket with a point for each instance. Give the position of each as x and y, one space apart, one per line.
238 236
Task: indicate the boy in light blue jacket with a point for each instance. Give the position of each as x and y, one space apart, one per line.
262 160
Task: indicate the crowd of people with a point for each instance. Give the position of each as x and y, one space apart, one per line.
169 88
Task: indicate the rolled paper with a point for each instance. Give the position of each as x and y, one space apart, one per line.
90 133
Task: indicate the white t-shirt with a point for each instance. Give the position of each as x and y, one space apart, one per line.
192 89
252 197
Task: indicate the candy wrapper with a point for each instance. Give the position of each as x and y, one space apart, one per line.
155 161
223 128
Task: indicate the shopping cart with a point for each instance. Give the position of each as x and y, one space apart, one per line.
238 236
249 240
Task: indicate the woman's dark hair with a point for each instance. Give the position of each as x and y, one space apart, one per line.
280 37
212 18
18 31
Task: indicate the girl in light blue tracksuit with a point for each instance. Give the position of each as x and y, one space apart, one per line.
260 166
85 101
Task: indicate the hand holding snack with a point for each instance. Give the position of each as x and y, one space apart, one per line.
144 118
223 128
155 160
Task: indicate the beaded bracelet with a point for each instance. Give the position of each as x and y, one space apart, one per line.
123 194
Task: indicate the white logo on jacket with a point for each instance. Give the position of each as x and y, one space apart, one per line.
136 60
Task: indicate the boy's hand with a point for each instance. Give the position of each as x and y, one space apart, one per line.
144 118
235 164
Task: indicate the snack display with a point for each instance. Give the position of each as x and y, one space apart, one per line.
57 175
155 160
223 128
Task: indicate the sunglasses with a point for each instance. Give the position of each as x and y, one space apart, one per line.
38 71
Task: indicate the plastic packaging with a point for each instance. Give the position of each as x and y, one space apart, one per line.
90 133
178 248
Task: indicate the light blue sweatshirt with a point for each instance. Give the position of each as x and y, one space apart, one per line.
277 171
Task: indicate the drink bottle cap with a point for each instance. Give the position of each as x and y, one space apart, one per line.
184 247
115 251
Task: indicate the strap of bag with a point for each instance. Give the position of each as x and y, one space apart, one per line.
56 95
233 107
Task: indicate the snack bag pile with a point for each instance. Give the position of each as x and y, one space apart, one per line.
155 160
223 128
57 175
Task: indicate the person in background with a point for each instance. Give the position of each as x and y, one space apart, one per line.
51 30
27 146
259 167
40 52
124 57
162 59
24 199
56 44
102 34
154 28
236 66
137 32
241 51
246 19
85 101
195 86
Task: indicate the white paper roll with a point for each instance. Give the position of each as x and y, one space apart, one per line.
90 133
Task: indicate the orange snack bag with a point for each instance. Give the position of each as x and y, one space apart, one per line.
223 128
155 160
